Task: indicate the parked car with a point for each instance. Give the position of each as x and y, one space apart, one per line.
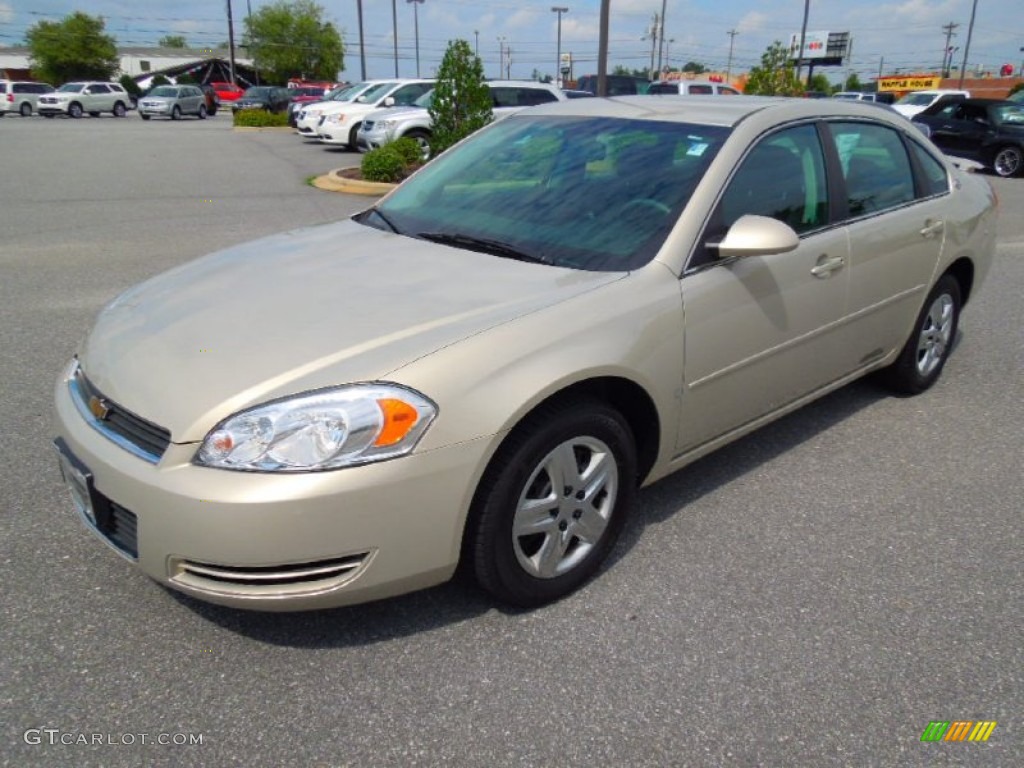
692 88
269 98
618 85
21 96
94 98
508 97
988 131
302 95
918 101
226 92
488 363
173 101
854 96
339 121
307 118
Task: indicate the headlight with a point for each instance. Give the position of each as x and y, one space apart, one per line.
336 118
325 429
387 125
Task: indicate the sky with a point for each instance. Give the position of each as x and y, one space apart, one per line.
901 36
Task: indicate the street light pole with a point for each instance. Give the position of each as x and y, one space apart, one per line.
967 45
728 67
558 57
501 56
362 47
394 34
661 37
231 42
803 38
416 21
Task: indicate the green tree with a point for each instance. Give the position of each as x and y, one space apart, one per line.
172 41
291 39
820 83
775 76
696 67
75 48
461 103
853 83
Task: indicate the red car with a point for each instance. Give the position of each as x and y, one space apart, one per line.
227 91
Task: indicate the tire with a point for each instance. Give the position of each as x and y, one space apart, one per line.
423 139
144 117
926 351
1008 161
26 110
75 110
176 113
202 111
353 146
119 110
541 526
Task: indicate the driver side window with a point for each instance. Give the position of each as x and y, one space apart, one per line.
783 178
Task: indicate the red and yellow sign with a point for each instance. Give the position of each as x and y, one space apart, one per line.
912 83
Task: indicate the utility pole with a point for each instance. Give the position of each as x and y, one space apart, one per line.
967 45
558 57
416 21
947 53
653 33
803 38
362 48
728 68
394 34
231 43
476 46
501 56
661 37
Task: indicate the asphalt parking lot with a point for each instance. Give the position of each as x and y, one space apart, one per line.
813 595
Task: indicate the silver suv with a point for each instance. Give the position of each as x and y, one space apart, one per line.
75 99
21 96
508 97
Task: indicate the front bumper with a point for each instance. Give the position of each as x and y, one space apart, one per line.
276 542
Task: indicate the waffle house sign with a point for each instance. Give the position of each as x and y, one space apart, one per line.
923 83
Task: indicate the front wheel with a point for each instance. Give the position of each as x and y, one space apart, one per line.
202 111
119 110
1008 161
552 503
176 113
26 110
144 117
422 138
926 351
75 110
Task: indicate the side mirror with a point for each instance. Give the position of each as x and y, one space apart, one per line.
388 102
757 236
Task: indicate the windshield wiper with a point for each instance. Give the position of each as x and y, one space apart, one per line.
482 244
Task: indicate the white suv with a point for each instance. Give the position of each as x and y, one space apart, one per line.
508 96
21 96
693 88
339 125
75 99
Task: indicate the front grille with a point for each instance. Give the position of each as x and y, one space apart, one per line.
133 433
291 579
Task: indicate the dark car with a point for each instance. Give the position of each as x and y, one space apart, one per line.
270 98
989 131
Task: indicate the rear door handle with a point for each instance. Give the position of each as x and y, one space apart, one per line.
932 228
826 266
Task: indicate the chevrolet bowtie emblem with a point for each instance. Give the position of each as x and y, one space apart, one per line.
98 407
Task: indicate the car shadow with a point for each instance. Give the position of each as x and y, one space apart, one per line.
460 600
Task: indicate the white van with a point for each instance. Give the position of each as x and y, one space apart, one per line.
21 96
693 88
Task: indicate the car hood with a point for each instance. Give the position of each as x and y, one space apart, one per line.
302 310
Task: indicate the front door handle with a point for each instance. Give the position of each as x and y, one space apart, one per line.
826 266
932 228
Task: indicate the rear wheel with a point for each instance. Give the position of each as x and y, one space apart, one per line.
26 110
552 503
926 351
1008 161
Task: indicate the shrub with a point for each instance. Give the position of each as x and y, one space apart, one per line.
384 164
258 118
130 85
409 151
462 102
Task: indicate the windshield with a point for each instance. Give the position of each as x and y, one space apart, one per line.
347 92
581 192
164 90
425 100
71 88
376 92
917 99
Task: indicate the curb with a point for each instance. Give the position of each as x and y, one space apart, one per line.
251 128
333 181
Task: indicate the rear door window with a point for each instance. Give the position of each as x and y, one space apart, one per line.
875 166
